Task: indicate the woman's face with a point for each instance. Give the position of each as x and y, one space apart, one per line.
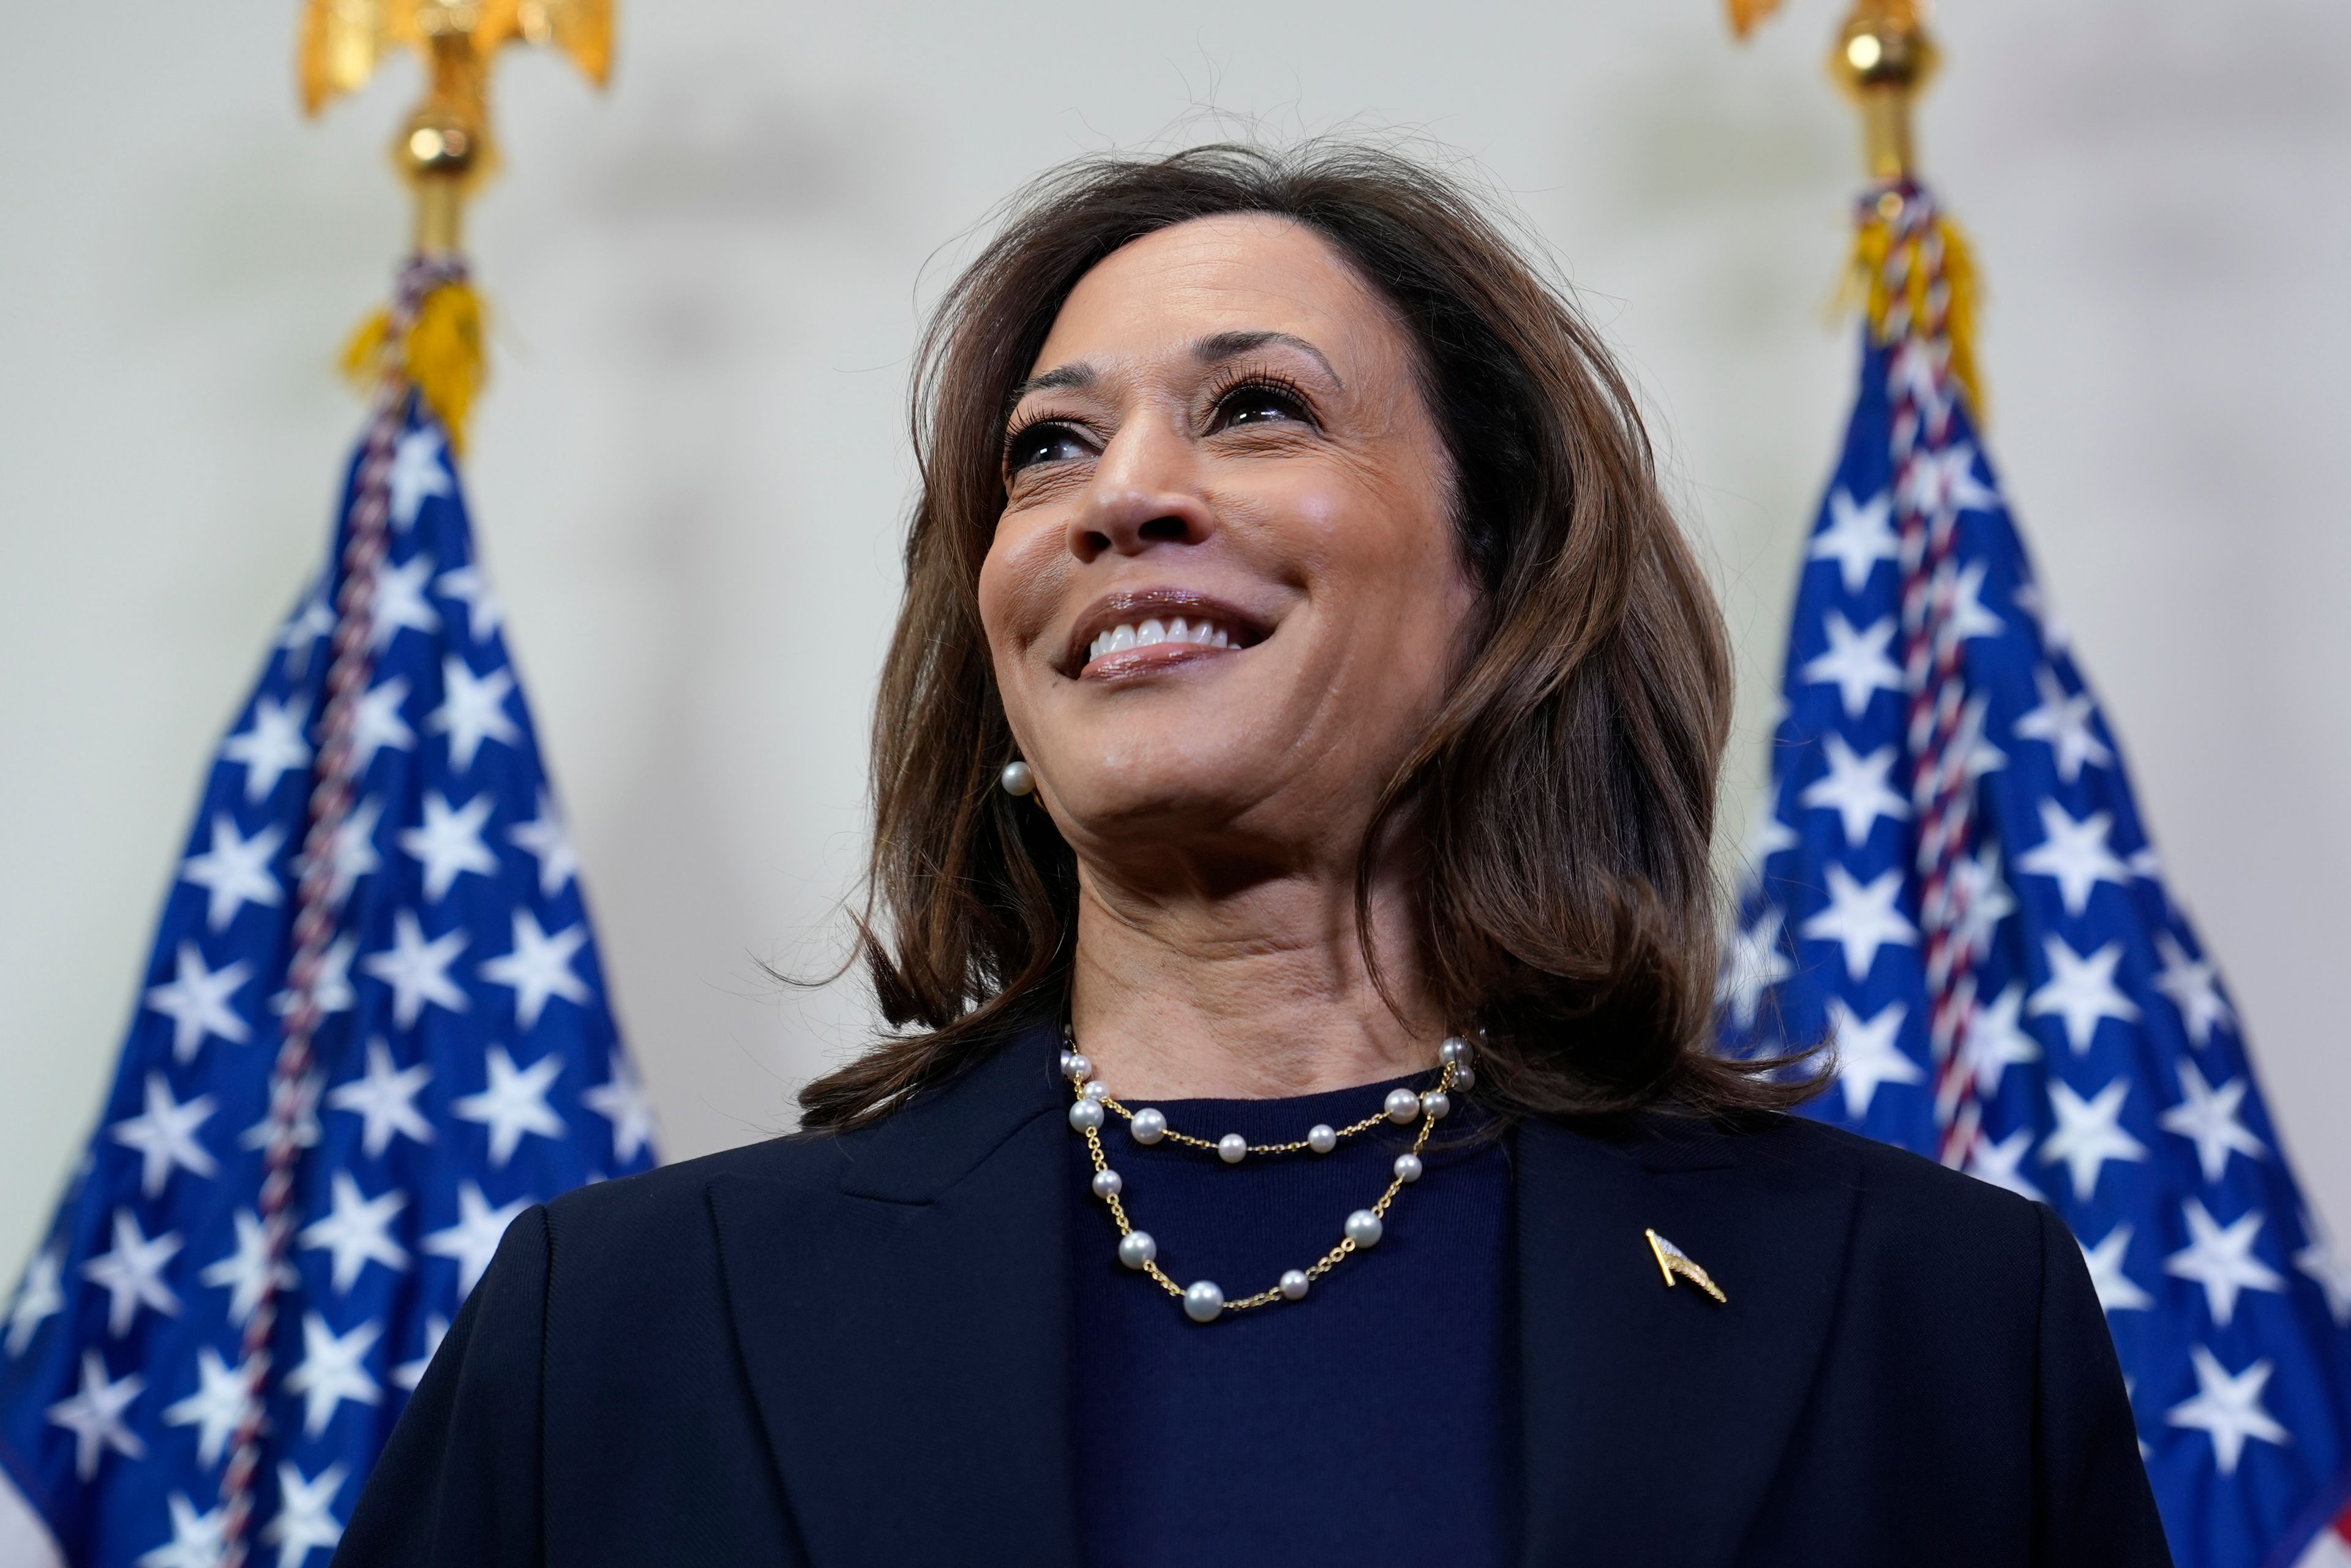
1225 596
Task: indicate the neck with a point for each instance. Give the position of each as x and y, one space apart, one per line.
1247 993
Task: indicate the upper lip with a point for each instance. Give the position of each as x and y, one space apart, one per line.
1128 606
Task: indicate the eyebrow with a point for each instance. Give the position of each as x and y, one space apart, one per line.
1224 346
1212 350
1078 375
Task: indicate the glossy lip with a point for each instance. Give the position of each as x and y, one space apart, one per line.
1160 604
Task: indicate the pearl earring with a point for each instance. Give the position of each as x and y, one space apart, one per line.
1017 778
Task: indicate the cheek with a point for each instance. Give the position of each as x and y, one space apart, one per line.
1411 552
1383 545
1020 586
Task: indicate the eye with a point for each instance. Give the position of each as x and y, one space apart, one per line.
1047 441
1255 403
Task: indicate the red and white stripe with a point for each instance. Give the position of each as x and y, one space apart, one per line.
1924 395
319 898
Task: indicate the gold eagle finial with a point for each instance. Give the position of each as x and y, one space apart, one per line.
343 41
445 149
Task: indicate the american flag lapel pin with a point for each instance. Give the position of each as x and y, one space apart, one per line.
1673 1260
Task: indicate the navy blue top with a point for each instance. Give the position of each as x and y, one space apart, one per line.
1376 1421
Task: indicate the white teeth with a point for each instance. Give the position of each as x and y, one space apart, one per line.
1120 638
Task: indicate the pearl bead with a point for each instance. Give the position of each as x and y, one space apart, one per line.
1077 1067
1086 1116
1403 1105
1135 1248
1293 1285
1097 1090
1202 1301
1107 1184
1435 1102
1364 1227
1321 1138
1232 1149
1464 1079
1017 778
1407 1168
1067 1057
1454 1052
1149 1126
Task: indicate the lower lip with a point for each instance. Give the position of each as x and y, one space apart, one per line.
1148 660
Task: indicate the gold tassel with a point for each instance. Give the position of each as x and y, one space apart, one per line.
442 355
1959 315
445 356
1864 288
363 362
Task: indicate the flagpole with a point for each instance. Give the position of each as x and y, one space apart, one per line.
328 814
1913 277
423 348
1999 800
444 152
1883 59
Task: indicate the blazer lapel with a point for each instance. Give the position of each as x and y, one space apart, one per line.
904 1325
1654 1417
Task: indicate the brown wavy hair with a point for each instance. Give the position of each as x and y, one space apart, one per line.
1565 794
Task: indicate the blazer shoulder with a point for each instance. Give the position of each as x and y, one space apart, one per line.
911 1156
1918 1186
1897 1192
1909 1206
655 1210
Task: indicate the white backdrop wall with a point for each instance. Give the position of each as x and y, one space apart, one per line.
691 468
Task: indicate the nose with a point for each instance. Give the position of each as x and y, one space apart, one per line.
1145 491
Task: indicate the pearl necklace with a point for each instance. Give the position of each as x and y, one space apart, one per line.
1204 1301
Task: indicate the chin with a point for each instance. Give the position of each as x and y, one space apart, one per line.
1169 789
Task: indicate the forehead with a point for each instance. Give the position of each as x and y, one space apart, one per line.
1238 272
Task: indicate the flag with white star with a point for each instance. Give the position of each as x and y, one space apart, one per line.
1950 881
464 1065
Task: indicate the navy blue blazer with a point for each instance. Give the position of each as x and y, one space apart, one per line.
850 1350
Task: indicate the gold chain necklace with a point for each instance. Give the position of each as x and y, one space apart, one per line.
1204 1301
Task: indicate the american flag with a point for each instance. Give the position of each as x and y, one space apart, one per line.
374 977
1950 878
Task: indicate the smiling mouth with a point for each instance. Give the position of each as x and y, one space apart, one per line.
1131 632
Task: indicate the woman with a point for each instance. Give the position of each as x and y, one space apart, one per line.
1302 723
